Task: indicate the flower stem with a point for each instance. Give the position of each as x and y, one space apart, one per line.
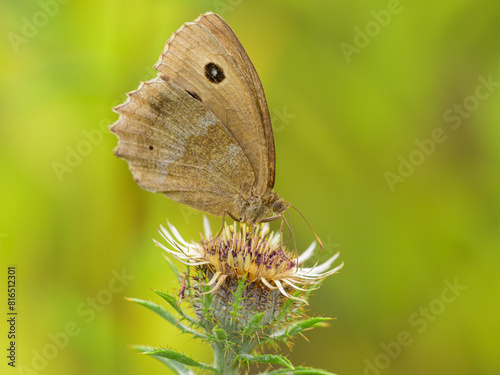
224 360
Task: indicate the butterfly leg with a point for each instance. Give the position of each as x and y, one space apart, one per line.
272 218
223 222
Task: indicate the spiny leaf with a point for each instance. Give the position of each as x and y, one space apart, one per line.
237 299
172 302
305 324
180 358
287 308
219 334
167 316
298 371
298 327
265 358
157 309
177 367
253 325
220 337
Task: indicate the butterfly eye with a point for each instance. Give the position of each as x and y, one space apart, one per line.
214 73
278 207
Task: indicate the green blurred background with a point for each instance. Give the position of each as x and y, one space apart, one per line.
352 88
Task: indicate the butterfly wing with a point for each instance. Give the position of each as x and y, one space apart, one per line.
206 59
176 146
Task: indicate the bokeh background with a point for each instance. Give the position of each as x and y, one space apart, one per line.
353 88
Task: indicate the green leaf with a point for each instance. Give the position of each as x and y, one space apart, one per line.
265 358
253 325
177 367
237 299
180 358
306 324
219 337
167 316
287 308
157 309
299 327
298 371
172 302
219 334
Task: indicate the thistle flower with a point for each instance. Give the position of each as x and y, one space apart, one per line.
256 253
247 292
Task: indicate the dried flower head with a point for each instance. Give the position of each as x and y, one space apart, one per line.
255 252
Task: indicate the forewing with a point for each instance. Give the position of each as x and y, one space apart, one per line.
236 96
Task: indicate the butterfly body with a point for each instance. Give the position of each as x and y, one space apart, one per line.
201 132
258 208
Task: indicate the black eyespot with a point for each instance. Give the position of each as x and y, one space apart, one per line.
151 147
194 95
214 73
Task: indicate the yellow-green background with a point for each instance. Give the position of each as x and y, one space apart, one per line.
351 121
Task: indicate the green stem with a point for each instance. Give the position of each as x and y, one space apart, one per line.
224 360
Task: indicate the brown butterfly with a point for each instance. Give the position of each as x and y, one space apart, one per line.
201 132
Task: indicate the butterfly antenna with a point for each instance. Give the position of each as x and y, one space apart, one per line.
292 233
315 235
283 220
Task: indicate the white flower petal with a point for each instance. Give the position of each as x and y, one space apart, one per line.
280 287
266 283
307 253
322 267
326 265
217 286
206 227
296 287
168 237
214 278
177 235
315 275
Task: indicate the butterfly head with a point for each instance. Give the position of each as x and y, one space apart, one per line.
279 206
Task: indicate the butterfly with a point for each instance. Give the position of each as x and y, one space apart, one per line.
200 132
